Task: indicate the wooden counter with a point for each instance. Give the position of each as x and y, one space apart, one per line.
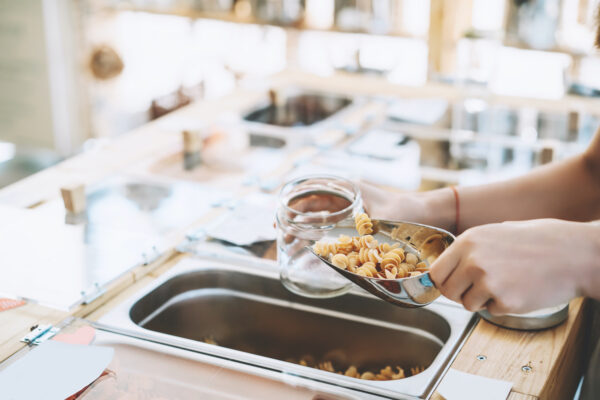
554 358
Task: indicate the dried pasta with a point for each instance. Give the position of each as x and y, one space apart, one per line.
325 249
384 374
366 241
412 259
353 261
364 226
365 256
340 260
344 244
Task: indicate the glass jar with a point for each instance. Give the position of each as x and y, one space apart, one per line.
308 208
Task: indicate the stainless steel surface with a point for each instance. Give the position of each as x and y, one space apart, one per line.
143 370
260 324
293 116
129 221
301 109
533 321
148 205
425 241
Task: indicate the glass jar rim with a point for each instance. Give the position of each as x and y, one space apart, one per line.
298 180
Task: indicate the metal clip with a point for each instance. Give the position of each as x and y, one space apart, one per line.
196 235
150 256
39 334
92 293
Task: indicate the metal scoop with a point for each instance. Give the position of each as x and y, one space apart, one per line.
424 241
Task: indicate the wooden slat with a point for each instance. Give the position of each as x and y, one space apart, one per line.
520 396
98 313
512 396
232 17
355 84
552 354
115 288
16 323
570 361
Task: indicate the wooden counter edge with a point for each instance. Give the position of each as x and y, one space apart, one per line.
512 396
571 362
556 355
26 317
560 381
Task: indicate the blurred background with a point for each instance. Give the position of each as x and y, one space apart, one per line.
488 89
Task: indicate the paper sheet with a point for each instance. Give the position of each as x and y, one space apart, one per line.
458 385
53 371
249 222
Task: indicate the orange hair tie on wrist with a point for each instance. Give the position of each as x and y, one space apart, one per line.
457 203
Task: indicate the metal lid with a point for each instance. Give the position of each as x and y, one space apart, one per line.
61 260
535 320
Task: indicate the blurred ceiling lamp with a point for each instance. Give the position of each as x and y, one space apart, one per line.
319 14
105 63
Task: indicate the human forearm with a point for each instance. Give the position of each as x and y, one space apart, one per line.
589 276
567 190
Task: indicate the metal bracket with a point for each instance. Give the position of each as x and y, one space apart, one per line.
149 257
196 235
39 334
92 293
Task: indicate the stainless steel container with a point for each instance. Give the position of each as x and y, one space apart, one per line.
262 327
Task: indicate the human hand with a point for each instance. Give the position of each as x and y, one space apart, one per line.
435 208
518 267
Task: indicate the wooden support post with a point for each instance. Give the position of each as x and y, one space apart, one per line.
74 198
573 126
547 155
448 23
192 146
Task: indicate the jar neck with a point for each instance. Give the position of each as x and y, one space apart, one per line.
318 202
327 217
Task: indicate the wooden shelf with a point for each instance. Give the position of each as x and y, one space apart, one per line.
231 17
469 136
378 86
557 49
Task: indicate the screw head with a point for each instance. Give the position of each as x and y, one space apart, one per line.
481 357
526 368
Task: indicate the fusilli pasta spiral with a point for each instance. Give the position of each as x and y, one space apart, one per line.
340 260
365 256
364 226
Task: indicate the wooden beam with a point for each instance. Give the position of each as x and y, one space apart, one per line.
449 21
